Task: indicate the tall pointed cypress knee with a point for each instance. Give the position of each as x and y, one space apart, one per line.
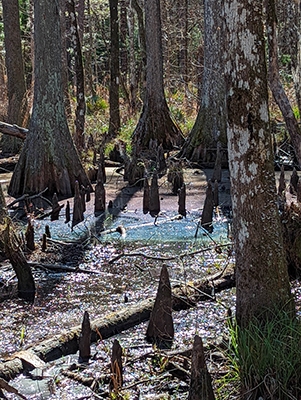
78 215
206 220
160 330
29 236
182 200
116 367
67 219
146 194
200 382
154 200
85 339
100 194
56 208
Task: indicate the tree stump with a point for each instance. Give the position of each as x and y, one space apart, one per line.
44 242
29 236
56 208
9 245
182 201
154 199
67 219
206 220
160 330
78 215
85 339
116 381
200 382
146 194
47 231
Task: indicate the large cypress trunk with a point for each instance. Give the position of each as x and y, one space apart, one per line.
49 158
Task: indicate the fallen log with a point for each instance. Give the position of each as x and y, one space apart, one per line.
13 130
114 323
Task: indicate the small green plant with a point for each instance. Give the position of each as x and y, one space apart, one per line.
22 335
296 112
96 104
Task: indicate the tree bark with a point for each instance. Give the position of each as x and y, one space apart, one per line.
48 158
261 269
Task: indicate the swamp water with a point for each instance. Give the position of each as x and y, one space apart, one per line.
62 298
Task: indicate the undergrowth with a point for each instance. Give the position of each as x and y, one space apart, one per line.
264 359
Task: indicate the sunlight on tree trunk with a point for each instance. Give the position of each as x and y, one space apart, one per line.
261 270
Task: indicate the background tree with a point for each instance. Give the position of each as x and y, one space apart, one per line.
75 43
48 158
16 86
155 122
289 41
114 126
210 125
275 81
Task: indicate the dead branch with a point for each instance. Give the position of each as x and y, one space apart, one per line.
13 130
167 258
62 268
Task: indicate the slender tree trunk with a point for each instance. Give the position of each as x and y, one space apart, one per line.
183 42
79 75
114 126
289 40
65 59
142 44
275 82
124 6
132 61
16 86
